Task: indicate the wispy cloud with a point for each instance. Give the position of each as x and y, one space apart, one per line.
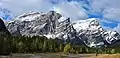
71 9
109 8
20 6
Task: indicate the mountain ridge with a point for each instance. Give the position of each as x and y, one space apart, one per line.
54 25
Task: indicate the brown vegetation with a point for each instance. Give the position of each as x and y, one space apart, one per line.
107 56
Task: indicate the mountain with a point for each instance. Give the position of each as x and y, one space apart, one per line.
51 25
54 25
93 35
3 29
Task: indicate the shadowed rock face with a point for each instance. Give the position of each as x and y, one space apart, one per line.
3 29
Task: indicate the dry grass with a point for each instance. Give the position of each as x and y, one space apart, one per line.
107 56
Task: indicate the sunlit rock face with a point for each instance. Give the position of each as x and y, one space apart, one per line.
51 25
93 35
54 25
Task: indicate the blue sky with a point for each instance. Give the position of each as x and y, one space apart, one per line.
107 11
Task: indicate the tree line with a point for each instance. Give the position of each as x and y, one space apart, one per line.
41 44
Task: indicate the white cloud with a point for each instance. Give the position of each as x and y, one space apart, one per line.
112 14
20 6
74 9
117 28
71 9
109 8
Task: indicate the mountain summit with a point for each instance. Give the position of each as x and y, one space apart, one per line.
54 25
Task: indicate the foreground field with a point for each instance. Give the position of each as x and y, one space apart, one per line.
59 55
107 56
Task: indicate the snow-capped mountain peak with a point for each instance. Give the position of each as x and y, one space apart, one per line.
54 25
29 16
91 23
92 33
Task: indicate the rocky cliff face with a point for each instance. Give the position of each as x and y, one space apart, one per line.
93 34
51 25
54 25
3 29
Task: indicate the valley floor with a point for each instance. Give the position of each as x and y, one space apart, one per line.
59 55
